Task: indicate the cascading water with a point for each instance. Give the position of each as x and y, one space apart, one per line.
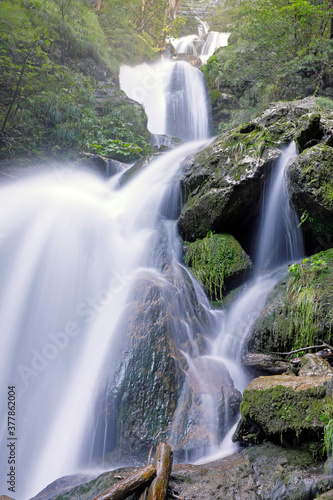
202 45
214 41
279 243
69 261
174 97
280 239
73 251
187 108
186 45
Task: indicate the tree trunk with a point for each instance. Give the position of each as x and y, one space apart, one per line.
163 464
173 8
18 87
136 481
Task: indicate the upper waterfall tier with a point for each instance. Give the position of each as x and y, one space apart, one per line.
173 95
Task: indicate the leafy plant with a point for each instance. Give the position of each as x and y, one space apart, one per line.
119 150
212 259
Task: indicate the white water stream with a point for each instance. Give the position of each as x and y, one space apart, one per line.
72 248
202 45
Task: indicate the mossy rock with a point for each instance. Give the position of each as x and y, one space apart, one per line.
299 311
219 263
222 184
288 408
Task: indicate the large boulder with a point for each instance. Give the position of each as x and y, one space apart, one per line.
162 320
222 185
288 408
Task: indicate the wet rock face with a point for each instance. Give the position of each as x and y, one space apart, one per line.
161 320
208 407
288 408
311 188
222 184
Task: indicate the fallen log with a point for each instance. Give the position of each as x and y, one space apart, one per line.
136 481
163 465
144 494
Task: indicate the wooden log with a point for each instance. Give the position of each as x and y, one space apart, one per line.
144 494
163 465
136 481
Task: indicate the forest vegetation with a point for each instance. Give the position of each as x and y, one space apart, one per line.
278 50
55 55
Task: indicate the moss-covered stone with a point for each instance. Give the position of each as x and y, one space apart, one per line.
288 407
299 311
222 184
219 262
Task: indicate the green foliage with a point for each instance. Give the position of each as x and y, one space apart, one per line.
47 104
127 44
277 50
327 418
324 103
119 150
328 437
302 304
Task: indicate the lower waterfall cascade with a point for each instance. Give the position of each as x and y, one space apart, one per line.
75 247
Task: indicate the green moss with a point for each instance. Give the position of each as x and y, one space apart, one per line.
213 259
299 311
281 410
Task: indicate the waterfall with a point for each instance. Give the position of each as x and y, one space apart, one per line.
202 45
280 238
173 95
186 45
214 41
74 249
186 103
